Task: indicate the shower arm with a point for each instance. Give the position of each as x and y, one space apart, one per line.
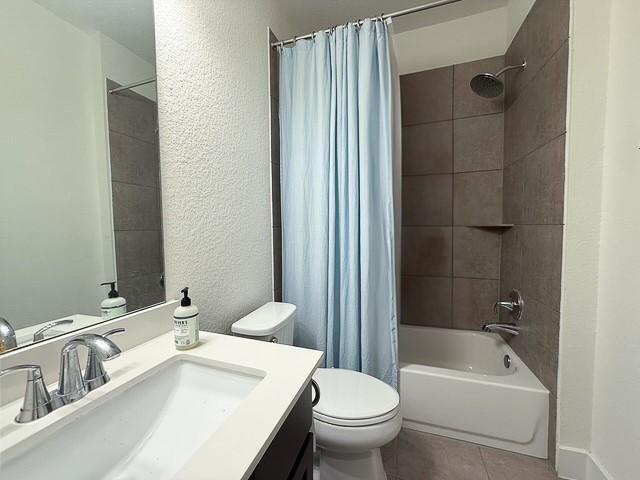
522 66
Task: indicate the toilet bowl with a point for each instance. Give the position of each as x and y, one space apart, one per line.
356 415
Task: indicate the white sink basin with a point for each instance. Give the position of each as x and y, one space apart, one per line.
146 431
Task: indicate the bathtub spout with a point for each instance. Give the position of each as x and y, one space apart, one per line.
510 328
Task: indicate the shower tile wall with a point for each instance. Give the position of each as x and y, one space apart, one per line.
275 170
452 197
137 216
535 127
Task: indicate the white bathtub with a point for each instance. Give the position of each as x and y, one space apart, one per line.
454 383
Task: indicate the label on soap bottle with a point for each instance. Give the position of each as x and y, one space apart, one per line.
186 332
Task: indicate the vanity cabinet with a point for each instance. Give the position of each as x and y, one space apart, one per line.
290 455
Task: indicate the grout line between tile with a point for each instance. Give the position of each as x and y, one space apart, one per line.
539 147
111 130
484 464
546 62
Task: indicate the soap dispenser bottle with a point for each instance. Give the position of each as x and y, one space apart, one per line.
114 305
186 326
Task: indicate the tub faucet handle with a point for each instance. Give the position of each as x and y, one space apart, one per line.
515 305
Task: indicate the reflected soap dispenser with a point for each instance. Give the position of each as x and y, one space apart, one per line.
114 305
186 326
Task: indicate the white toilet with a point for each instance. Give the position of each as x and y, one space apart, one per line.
356 415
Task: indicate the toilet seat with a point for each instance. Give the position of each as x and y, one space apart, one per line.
353 399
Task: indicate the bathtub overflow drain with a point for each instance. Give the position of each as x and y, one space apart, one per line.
507 361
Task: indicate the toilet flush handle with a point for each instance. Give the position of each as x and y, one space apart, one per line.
316 389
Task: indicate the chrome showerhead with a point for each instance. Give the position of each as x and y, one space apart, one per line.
489 85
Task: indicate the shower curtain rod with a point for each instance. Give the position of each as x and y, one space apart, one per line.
387 16
132 85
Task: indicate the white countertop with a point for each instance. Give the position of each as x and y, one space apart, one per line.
235 449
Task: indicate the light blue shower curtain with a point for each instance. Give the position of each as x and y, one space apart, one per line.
339 266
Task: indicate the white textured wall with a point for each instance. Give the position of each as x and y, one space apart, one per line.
212 66
462 40
616 400
586 127
600 357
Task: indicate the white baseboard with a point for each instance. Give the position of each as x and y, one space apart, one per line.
578 464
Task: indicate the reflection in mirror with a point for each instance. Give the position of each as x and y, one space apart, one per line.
80 210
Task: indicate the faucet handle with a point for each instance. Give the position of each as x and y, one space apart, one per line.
95 374
72 385
115 331
515 305
37 401
39 335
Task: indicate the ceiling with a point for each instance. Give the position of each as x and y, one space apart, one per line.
128 22
309 15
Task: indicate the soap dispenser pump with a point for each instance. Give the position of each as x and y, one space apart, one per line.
114 305
186 326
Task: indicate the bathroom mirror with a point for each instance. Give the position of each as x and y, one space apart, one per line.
79 192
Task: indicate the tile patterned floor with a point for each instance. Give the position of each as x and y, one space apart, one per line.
421 456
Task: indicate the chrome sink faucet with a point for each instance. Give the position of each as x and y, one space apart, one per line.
7 336
515 305
39 335
72 385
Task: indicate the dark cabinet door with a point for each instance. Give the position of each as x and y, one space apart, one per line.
304 467
288 450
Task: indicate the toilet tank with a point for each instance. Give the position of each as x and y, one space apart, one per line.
272 322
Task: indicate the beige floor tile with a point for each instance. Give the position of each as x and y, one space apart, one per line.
390 457
503 465
428 457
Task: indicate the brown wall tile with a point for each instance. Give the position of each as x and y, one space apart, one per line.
427 96
135 207
427 251
516 80
133 161
511 263
465 102
477 198
539 113
277 264
547 30
426 200
473 301
542 263
426 301
513 193
276 197
478 143
543 184
139 252
141 291
427 148
431 141
132 114
476 253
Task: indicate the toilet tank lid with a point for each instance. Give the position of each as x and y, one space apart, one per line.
266 320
